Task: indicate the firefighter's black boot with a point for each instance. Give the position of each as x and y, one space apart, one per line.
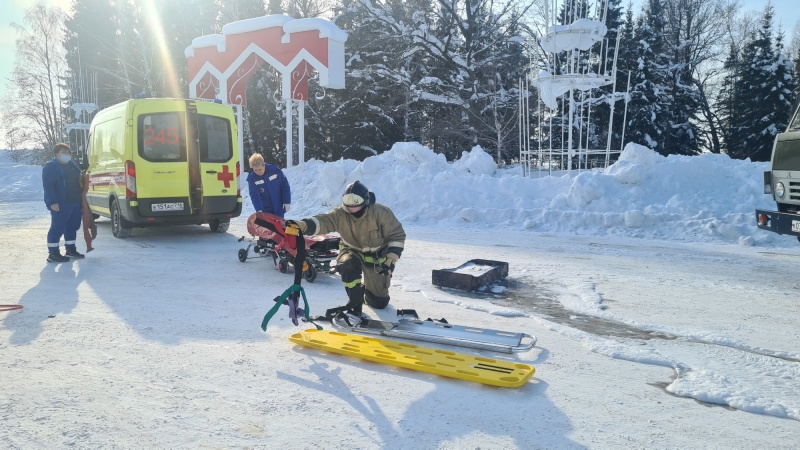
355 296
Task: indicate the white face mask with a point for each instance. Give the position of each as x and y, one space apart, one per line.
64 158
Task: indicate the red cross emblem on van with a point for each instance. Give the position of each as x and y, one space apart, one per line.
225 176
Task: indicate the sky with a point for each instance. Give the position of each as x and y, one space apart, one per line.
658 307
13 11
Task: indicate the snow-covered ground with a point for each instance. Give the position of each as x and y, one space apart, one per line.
664 318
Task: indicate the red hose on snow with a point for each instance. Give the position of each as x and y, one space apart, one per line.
9 307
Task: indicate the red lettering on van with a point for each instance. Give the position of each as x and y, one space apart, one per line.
151 137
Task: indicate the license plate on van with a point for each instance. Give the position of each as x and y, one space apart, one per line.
796 226
177 206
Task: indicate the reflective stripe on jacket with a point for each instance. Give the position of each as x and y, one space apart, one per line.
376 232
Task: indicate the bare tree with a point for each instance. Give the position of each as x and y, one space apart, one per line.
34 112
711 76
300 9
794 48
700 33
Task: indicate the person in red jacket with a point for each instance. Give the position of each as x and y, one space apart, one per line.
61 180
269 188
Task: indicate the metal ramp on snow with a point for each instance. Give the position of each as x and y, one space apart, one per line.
445 333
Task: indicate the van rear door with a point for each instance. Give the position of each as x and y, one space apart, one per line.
161 158
217 156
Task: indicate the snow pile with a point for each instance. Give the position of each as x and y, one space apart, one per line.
700 198
19 182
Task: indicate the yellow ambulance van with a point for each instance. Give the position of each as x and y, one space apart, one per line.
162 162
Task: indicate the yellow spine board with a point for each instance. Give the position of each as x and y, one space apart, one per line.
426 359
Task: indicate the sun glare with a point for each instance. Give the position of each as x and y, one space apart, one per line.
153 17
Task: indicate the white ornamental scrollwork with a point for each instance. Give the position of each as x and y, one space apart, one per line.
243 74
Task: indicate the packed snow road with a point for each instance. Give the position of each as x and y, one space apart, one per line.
154 342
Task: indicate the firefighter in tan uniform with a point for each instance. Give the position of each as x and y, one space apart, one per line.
372 241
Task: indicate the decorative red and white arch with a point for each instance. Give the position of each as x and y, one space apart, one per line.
221 64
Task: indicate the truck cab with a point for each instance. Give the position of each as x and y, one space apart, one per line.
782 181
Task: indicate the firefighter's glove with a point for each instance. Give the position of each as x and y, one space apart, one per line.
294 228
391 258
388 266
386 270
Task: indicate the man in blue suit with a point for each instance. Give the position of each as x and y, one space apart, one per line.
61 180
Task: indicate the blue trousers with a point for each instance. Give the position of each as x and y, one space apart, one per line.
64 223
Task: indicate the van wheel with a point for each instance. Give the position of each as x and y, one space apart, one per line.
217 226
118 226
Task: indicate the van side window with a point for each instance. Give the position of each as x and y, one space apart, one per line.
106 143
215 139
161 137
96 152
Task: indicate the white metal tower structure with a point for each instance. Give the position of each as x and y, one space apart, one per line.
83 104
577 65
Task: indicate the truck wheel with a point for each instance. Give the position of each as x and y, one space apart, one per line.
119 228
217 226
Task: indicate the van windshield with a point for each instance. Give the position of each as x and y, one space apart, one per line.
787 155
215 139
161 137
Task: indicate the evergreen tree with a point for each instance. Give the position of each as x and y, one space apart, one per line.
627 65
648 113
264 117
796 61
765 91
442 76
302 9
91 50
375 111
234 10
682 136
172 32
274 7
784 93
464 50
729 106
